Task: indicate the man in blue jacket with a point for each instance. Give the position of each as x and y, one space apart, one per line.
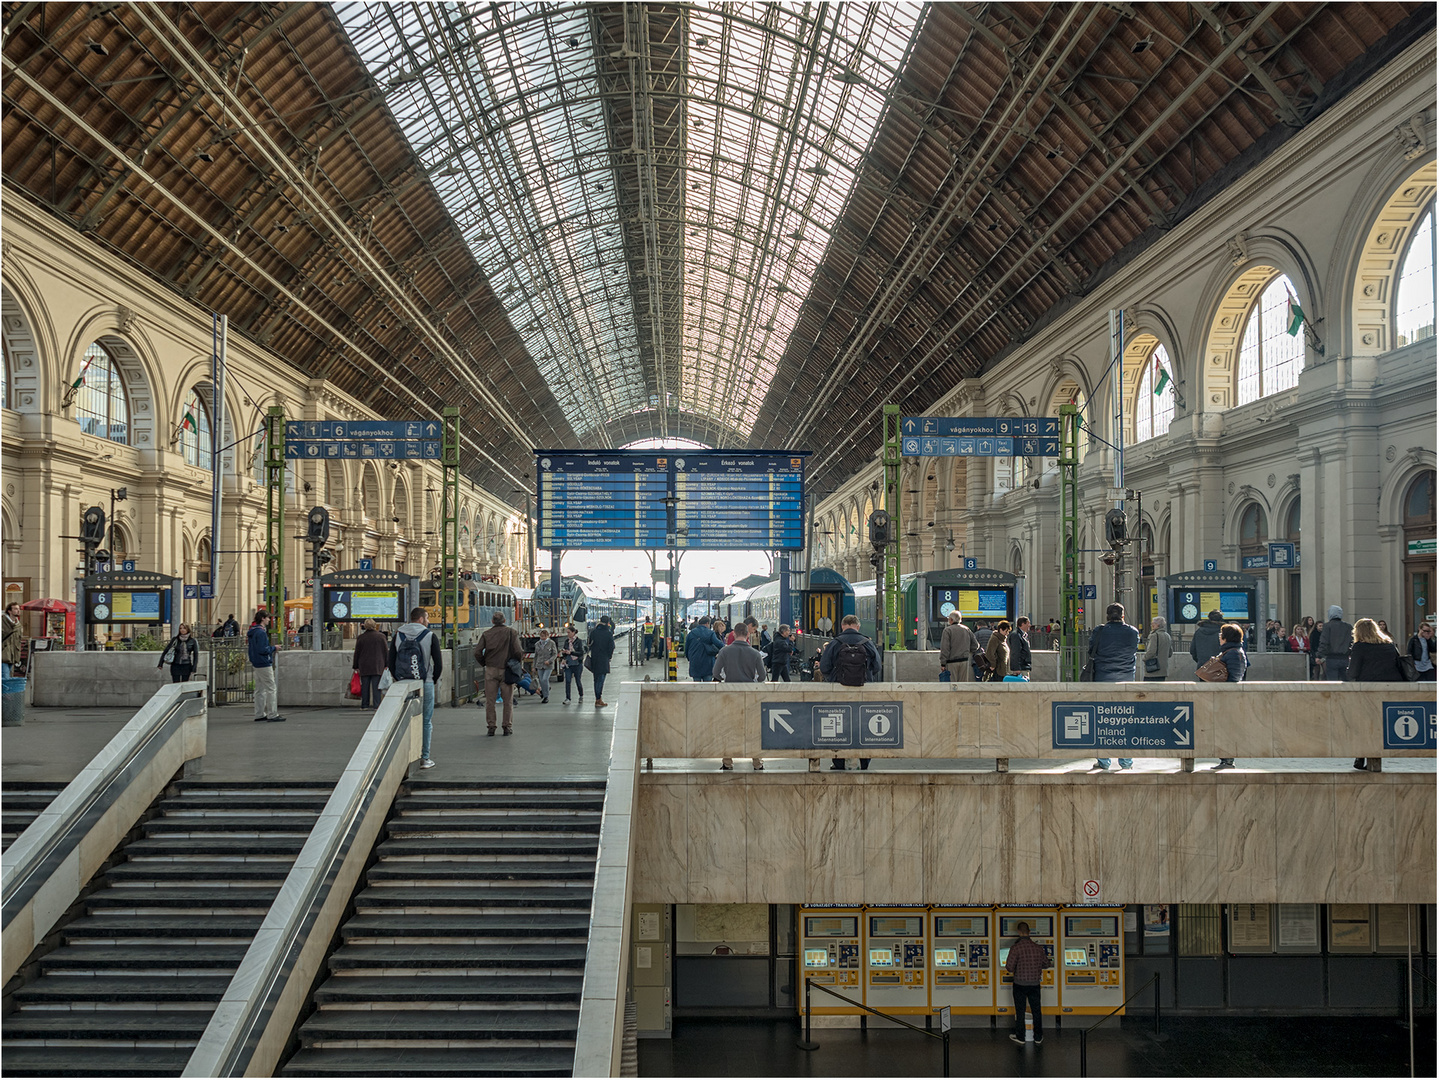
1113 648
702 645
262 663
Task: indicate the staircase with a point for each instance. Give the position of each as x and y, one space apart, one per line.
136 977
20 804
465 954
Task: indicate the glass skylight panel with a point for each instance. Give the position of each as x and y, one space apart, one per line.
502 109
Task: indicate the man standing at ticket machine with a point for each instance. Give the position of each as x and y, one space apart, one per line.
1025 965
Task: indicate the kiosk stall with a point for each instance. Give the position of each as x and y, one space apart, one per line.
961 962
829 954
894 961
1043 927
1092 948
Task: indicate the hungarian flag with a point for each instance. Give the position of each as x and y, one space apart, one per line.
1161 377
1296 315
188 422
78 382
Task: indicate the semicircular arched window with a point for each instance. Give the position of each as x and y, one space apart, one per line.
1414 306
1270 356
195 438
102 407
1154 402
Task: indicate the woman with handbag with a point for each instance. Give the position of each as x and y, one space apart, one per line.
1157 651
572 657
1373 658
182 654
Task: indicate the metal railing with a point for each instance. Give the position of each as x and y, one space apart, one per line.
1084 1032
808 1043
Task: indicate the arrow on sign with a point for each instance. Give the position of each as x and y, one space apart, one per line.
1181 713
1182 737
776 716
909 426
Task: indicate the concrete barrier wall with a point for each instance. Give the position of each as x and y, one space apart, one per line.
107 679
1015 720
888 838
924 666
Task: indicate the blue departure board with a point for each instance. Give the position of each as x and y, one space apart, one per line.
713 499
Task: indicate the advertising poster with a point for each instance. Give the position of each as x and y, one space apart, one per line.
1156 920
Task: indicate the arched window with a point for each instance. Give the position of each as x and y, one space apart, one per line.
1253 533
195 439
1419 532
1154 405
1270 358
101 407
1414 309
4 375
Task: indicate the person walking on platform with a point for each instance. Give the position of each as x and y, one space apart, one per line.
12 639
415 653
1157 651
702 645
572 656
182 654
1025 966
739 663
1114 649
545 652
647 636
996 651
850 659
1204 645
496 647
1236 664
602 648
1372 658
232 628
1421 651
659 642
1020 660
262 661
1334 642
956 646
781 649
372 656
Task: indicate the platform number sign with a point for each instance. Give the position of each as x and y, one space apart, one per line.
1211 565
1409 725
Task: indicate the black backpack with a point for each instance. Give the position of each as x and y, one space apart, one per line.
410 659
851 663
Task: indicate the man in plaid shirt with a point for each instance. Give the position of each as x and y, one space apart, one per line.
1025 965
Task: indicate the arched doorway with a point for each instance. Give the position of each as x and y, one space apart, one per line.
1293 608
1419 547
1253 538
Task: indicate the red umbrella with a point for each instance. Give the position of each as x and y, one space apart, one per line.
49 605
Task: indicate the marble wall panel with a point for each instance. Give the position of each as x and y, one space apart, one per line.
1301 732
834 830
662 843
1070 840
662 723
1414 842
1304 835
1246 850
893 843
956 822
1191 848
774 845
717 830
715 724
942 726
1133 824
1364 866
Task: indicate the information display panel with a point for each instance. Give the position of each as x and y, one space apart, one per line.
971 603
961 955
714 499
1194 605
829 955
125 606
354 605
894 961
1093 953
1043 928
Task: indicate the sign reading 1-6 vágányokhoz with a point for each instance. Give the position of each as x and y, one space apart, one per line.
1123 725
831 725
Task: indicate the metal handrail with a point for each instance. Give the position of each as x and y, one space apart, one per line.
809 1044
1084 1033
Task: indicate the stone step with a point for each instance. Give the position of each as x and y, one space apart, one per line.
184 1025
517 956
51 990
159 959
133 929
217 846
235 826
473 1061
379 991
58 1059
476 825
434 1027
200 897
170 873
587 802
418 847
441 875
514 924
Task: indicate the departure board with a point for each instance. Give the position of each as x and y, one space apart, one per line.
711 499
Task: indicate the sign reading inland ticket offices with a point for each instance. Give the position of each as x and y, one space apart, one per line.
831 725
1123 725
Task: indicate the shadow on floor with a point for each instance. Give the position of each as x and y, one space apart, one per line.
1190 1046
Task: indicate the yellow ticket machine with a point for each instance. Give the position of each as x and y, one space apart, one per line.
1092 949
829 944
895 972
961 960
1044 929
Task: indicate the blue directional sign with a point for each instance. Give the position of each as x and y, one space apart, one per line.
367 564
1131 725
1409 725
382 449
1089 592
360 430
1281 556
128 566
199 592
635 592
968 436
971 564
1211 565
717 499
710 592
831 725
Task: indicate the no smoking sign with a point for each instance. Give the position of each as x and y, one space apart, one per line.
1091 889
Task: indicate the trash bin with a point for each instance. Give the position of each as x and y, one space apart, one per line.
12 703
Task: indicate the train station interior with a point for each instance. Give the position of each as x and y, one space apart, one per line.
1104 330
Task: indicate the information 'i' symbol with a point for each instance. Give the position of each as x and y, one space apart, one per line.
1406 726
879 725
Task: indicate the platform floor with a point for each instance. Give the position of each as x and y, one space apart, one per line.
1190 1046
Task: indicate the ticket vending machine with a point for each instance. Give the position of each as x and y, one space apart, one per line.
961 960
1092 949
1044 929
895 972
829 954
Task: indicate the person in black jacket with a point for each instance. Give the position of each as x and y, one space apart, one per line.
1421 651
781 648
602 648
1020 660
184 654
1373 658
837 665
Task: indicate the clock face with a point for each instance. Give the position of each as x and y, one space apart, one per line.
1189 611
339 611
945 608
102 611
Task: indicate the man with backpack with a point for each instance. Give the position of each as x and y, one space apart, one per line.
415 653
850 659
496 648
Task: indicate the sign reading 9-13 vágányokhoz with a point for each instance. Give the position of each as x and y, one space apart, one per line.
682 499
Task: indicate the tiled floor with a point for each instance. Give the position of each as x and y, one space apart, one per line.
1189 1046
